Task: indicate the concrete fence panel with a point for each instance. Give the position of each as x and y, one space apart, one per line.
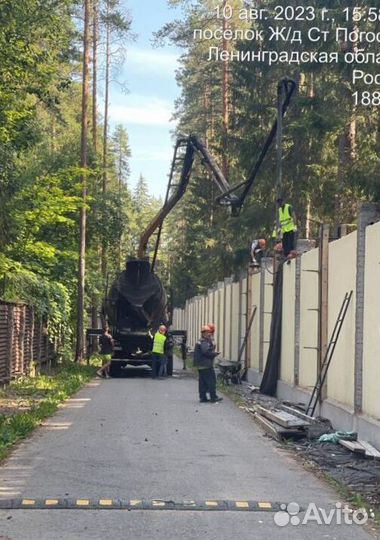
255 331
235 321
309 314
266 304
288 323
371 338
342 279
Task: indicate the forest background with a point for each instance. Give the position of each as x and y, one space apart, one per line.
68 217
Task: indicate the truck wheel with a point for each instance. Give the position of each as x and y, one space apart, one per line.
169 367
115 369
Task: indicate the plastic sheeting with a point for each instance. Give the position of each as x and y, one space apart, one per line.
272 367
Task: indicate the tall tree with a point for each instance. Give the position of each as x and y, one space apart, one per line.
117 26
80 342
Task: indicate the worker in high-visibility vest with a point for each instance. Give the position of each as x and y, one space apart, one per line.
288 227
158 351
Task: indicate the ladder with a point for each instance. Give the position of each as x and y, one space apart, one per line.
317 390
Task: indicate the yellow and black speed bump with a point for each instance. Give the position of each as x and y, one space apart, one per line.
107 503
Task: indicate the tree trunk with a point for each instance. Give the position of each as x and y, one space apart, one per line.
105 133
94 77
225 92
80 342
95 22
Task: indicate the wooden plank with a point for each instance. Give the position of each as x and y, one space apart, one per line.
370 451
268 426
353 446
298 413
282 418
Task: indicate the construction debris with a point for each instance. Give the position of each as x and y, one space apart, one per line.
279 424
359 473
353 446
282 418
338 436
370 451
300 414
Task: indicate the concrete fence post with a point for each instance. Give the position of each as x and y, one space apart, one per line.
323 307
297 321
368 213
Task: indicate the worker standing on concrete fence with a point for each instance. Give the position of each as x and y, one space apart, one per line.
257 251
204 355
287 224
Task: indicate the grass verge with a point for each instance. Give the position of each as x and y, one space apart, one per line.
27 401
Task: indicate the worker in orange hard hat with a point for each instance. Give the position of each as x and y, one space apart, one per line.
257 251
211 327
204 355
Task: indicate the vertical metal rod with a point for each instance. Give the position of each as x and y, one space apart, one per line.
280 89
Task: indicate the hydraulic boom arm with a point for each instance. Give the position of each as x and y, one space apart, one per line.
191 145
233 197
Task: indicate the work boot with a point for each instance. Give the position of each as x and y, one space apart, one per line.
216 399
204 400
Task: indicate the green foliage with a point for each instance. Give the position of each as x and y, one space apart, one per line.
40 191
42 394
50 300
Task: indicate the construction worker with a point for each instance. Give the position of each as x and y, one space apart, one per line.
158 351
286 218
257 251
184 351
106 349
212 329
168 355
204 355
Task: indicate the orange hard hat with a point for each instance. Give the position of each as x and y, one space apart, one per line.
262 243
211 327
205 328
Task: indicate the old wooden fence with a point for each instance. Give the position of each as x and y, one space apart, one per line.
23 340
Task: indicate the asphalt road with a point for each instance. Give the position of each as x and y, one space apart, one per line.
136 439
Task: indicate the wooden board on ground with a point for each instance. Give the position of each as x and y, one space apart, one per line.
268 427
279 432
282 418
353 446
298 413
370 451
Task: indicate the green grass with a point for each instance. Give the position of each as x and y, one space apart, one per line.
40 396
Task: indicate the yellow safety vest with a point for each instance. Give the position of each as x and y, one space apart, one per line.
159 343
286 220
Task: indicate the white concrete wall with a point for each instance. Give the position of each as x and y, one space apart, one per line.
371 339
255 331
342 279
268 301
309 305
235 323
288 323
226 307
227 320
243 315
